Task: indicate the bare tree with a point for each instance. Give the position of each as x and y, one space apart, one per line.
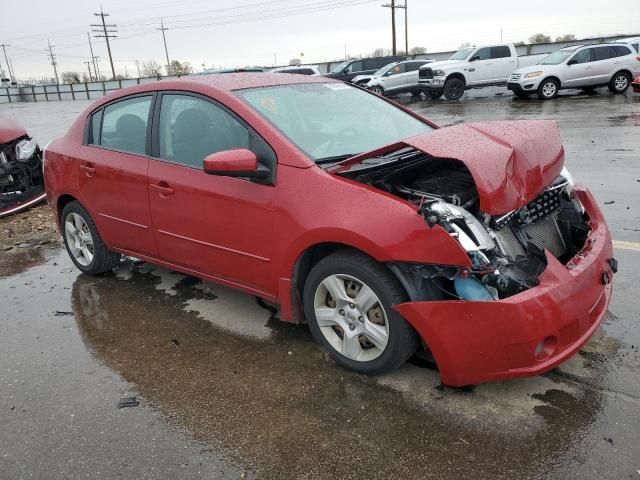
567 37
294 62
70 77
379 52
180 68
539 38
418 50
464 45
519 44
151 68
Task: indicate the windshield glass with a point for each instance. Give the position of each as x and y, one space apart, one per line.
384 69
330 120
462 54
340 67
557 57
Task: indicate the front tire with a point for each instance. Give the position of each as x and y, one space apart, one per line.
348 300
620 82
82 240
548 89
378 90
453 89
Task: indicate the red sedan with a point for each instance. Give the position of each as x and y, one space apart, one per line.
385 233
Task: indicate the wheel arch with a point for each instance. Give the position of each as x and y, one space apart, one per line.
552 77
622 70
62 201
457 75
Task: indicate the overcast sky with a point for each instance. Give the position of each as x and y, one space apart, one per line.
260 32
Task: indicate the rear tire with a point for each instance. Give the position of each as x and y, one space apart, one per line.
453 89
348 299
620 82
82 240
548 89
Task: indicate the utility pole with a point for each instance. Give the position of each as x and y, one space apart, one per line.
88 62
164 39
97 63
53 61
108 31
6 59
93 58
406 27
138 67
393 8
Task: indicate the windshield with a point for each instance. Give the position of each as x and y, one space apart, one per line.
462 54
332 120
556 57
340 67
383 70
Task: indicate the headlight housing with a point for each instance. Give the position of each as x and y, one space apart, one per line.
533 74
568 177
25 149
438 73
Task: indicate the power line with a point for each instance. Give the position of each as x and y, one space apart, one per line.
164 39
108 32
53 61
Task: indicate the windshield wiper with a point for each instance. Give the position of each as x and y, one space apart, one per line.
335 158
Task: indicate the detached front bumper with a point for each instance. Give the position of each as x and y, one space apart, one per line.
529 333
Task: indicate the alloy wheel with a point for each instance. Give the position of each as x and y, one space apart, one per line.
621 82
79 239
351 317
549 89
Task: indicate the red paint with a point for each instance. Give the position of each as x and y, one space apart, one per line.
249 235
10 130
233 160
636 85
475 342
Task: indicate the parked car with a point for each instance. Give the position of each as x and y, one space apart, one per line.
385 232
21 182
299 70
633 41
636 85
472 67
345 71
362 80
401 77
582 66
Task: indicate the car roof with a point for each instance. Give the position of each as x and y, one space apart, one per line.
239 81
627 40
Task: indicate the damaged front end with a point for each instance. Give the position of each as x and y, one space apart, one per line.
506 252
21 175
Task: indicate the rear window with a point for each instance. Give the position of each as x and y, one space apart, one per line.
500 52
621 50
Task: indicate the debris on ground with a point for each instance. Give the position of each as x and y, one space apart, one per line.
125 402
610 202
59 313
29 229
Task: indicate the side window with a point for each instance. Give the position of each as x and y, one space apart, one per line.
96 120
636 46
396 69
583 56
413 66
500 52
191 128
621 50
355 67
483 53
124 125
600 53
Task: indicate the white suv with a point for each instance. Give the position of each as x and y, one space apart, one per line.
583 66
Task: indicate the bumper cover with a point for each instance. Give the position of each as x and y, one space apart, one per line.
636 85
529 333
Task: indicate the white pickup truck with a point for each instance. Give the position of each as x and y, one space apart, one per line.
472 67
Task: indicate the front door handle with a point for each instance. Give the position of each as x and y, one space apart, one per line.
163 189
89 169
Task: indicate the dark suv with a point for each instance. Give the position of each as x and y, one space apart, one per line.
362 66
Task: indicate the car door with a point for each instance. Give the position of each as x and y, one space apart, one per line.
354 69
215 225
113 164
394 78
479 65
579 70
411 74
503 63
603 60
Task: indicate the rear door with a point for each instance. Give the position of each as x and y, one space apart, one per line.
503 63
411 73
215 225
604 60
113 166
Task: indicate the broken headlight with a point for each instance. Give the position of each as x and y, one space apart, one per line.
568 177
466 228
25 149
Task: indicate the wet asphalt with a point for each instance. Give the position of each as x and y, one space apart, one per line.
225 390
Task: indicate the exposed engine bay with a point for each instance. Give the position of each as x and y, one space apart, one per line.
507 252
21 178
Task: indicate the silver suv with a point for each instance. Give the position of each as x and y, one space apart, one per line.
583 66
397 78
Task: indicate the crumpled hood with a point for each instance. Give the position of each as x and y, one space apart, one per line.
511 162
10 130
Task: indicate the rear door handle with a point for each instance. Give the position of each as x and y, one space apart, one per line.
89 169
163 189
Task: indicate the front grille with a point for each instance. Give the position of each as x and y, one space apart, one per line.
514 77
425 73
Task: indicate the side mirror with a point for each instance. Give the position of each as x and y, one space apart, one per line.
236 162
573 61
474 58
